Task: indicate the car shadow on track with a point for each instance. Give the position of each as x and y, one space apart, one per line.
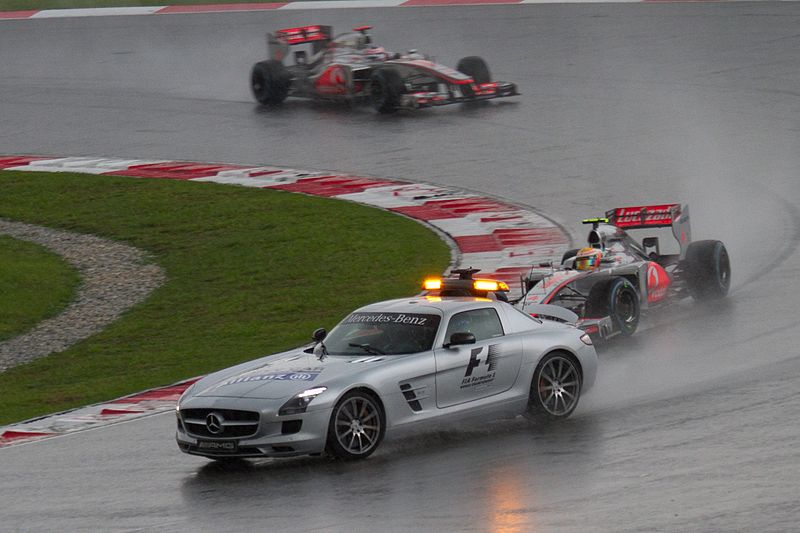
363 111
471 442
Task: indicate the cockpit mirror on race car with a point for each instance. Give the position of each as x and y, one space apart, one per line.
319 335
460 338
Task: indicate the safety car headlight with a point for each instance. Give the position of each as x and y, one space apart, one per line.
184 395
299 402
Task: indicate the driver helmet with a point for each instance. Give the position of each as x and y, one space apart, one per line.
588 259
375 51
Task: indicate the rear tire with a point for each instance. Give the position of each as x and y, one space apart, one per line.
474 67
708 270
555 388
386 90
617 298
357 426
270 81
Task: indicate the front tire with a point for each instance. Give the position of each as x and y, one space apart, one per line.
476 68
617 298
386 90
357 426
708 270
555 388
270 81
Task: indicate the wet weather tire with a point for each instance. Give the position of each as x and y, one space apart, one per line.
474 67
270 81
616 298
708 270
386 90
357 426
555 388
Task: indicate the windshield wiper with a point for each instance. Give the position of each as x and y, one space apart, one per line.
367 348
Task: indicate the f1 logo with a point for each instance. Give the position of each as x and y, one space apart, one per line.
474 361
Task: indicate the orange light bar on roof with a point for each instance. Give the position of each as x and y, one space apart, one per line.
489 285
432 284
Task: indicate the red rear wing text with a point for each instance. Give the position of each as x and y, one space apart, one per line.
304 34
644 216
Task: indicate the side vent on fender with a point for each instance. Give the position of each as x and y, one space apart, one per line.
413 395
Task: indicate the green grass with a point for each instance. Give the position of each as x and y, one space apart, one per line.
22 5
34 284
250 272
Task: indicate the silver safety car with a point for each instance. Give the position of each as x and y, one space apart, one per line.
391 365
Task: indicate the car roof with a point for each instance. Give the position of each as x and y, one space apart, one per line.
429 304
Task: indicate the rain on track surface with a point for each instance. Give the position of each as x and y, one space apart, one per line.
691 424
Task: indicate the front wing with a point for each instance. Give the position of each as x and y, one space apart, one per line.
454 94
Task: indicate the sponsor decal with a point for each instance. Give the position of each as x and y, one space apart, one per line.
485 366
658 281
652 215
300 375
384 318
332 81
218 446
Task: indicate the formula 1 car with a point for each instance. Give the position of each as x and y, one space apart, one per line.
387 366
350 68
609 283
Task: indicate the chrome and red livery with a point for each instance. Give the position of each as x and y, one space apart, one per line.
351 68
633 276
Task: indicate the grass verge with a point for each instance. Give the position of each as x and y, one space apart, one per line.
24 5
250 272
34 284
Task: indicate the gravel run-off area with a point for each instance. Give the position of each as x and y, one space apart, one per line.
114 278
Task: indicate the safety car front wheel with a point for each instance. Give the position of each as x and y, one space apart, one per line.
357 426
270 81
555 388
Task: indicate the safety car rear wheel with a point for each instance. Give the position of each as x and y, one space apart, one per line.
357 426
708 270
555 388
474 67
617 298
386 90
270 81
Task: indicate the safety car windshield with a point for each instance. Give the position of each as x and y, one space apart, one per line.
383 334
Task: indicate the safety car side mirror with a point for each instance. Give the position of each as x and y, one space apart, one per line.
319 335
463 337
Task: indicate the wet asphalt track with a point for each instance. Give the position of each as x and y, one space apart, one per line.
693 423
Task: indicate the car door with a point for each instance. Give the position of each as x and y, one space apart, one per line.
473 371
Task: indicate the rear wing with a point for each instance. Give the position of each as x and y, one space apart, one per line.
278 43
675 216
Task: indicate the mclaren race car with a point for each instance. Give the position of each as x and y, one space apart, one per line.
351 68
387 366
615 277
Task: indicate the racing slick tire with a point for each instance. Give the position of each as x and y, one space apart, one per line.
569 254
386 90
357 426
555 388
708 270
270 81
474 67
617 298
